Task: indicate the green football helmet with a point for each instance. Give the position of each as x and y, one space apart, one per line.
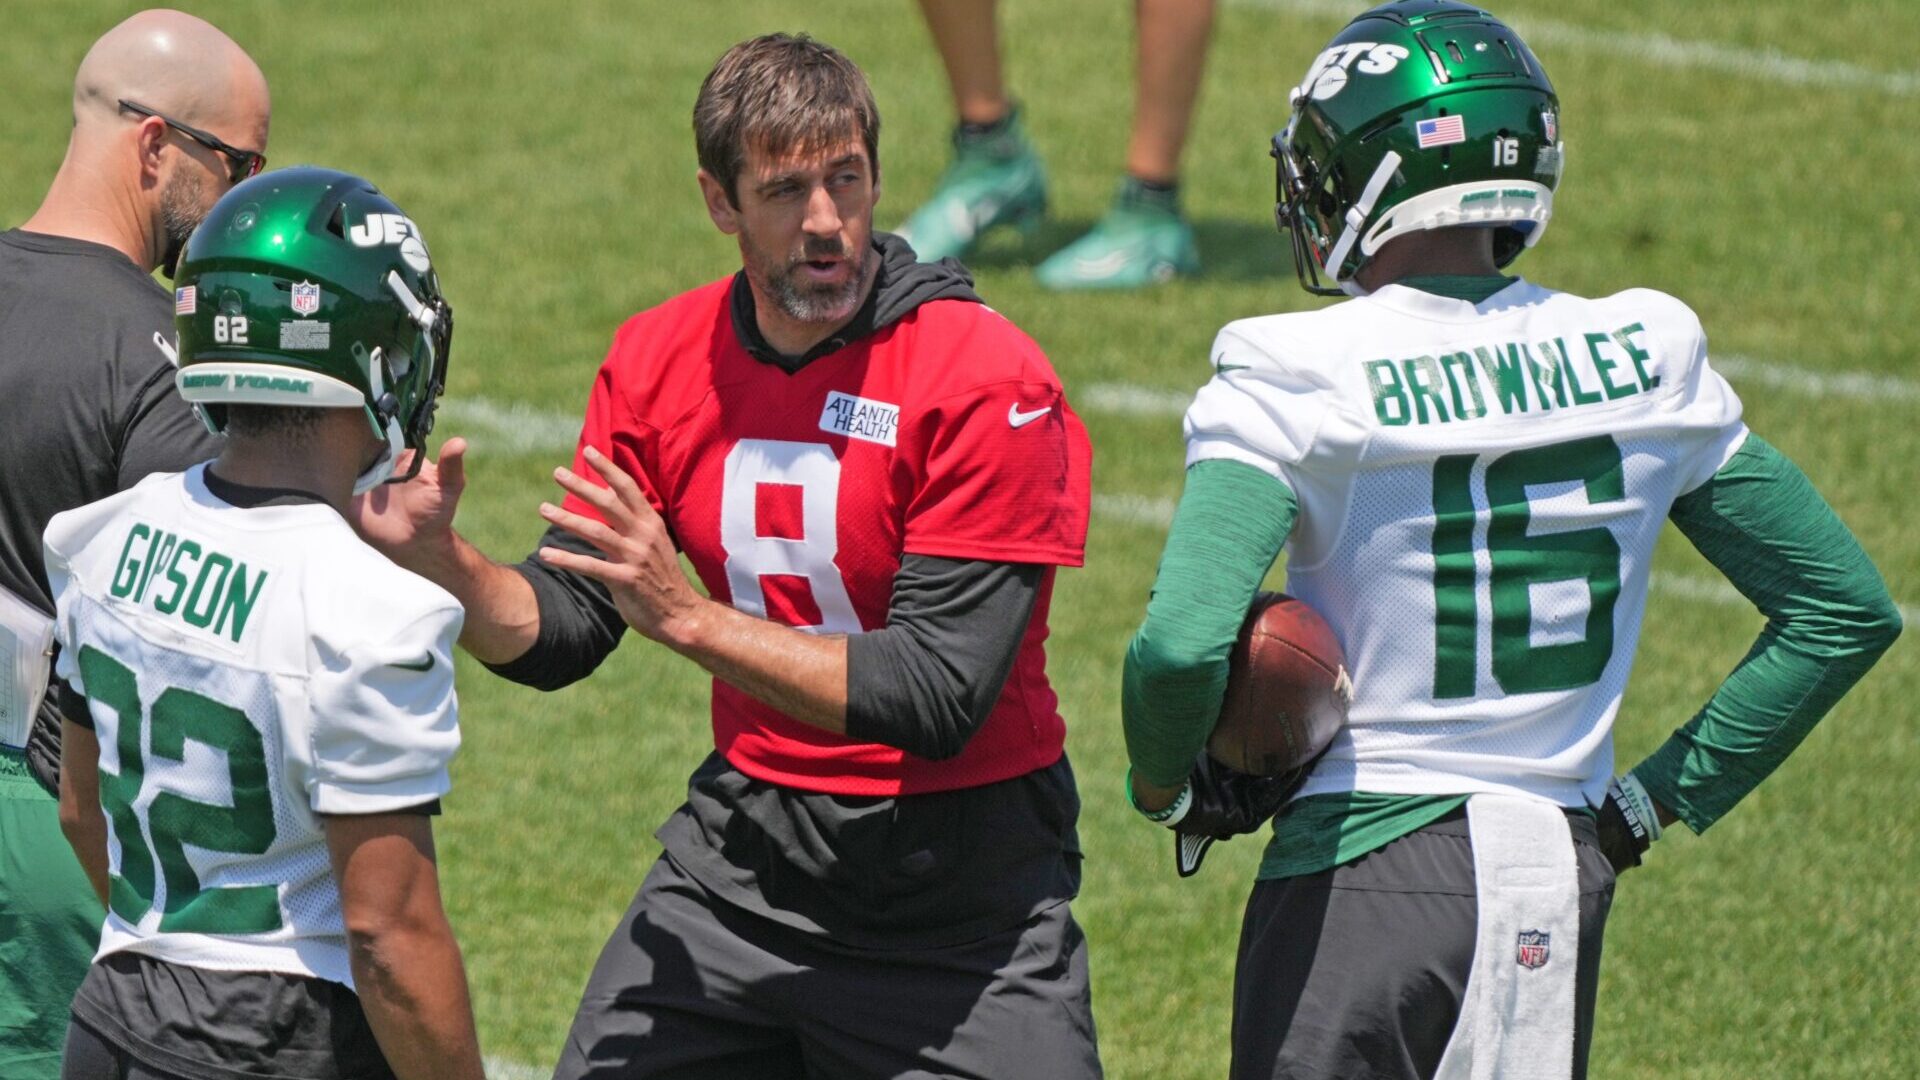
1420 114
307 287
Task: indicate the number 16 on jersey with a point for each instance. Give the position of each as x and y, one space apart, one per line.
1520 561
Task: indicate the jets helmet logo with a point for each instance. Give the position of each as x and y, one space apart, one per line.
393 229
1328 75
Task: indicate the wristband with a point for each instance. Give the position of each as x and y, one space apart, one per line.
1172 813
1641 816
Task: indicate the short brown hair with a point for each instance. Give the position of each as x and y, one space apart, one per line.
783 94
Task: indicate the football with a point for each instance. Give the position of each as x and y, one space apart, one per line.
1287 689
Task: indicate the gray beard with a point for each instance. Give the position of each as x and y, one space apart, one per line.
816 304
181 211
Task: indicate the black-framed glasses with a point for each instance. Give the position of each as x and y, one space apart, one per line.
242 163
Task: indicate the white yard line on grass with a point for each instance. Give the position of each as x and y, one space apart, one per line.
515 428
1770 65
1853 385
1720 592
499 1068
509 427
1150 510
1128 399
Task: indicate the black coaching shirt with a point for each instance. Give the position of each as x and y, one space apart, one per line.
87 404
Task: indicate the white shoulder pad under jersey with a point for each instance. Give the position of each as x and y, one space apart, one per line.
246 671
1480 489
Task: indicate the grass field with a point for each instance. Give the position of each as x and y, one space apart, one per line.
1756 159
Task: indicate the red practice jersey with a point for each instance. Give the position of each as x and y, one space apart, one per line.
795 496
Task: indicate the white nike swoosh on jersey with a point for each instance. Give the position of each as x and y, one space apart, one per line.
1022 419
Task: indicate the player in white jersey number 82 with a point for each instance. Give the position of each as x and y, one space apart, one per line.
270 700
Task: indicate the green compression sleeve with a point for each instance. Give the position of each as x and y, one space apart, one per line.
1229 527
1829 617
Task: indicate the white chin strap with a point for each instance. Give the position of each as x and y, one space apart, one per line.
1357 213
382 468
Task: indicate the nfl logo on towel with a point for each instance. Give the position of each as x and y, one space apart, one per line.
306 297
1441 131
1533 948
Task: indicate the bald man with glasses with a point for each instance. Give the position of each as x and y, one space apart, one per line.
168 114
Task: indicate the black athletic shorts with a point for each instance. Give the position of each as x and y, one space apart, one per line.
1358 971
693 987
137 1016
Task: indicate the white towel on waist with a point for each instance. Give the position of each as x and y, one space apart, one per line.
1516 1018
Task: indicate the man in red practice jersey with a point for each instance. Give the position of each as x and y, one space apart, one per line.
874 476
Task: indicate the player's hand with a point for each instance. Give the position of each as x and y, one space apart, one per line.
412 523
1219 803
1628 821
641 567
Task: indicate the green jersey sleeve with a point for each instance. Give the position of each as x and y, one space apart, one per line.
1829 617
1230 525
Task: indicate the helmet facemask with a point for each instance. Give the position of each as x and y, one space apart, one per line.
405 394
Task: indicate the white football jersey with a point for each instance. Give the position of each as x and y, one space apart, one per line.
1480 490
245 670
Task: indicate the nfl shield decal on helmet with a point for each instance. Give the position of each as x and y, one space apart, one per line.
306 297
1533 948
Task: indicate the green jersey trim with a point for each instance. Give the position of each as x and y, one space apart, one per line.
1473 288
1320 832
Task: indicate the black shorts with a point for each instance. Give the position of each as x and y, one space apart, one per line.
1358 971
693 987
138 1016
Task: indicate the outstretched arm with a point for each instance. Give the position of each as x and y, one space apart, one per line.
802 675
412 524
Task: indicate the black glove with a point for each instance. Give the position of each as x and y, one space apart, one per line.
1627 823
1222 803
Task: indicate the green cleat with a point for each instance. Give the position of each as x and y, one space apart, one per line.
1142 240
994 180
